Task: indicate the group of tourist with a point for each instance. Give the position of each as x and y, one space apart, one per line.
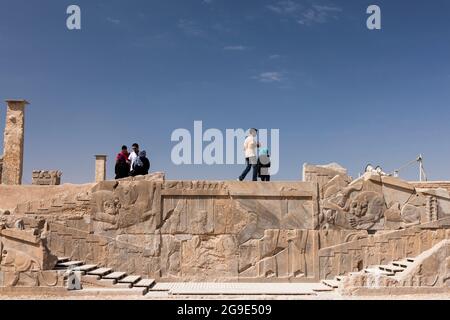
136 163
131 164
260 162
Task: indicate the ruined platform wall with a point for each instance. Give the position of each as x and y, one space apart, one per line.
194 230
238 231
431 184
11 196
380 249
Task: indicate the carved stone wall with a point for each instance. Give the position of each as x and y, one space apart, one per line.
46 177
380 249
242 231
194 230
25 259
375 202
429 273
322 174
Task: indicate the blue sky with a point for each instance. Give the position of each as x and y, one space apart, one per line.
140 69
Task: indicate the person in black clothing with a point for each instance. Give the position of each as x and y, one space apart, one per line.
122 168
141 166
264 164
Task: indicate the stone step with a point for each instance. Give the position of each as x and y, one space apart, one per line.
130 279
379 271
144 283
69 264
115 291
63 259
100 272
391 268
97 282
322 288
115 275
401 263
123 285
90 279
109 283
331 283
86 267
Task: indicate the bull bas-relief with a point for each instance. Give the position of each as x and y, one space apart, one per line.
25 259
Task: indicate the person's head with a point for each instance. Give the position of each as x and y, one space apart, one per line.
142 154
124 148
135 147
264 152
253 131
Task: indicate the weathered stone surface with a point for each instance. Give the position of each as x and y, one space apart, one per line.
322 174
13 142
209 257
1 168
431 269
100 168
239 231
25 259
46 177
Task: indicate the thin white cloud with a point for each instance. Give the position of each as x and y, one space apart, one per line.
319 14
235 48
207 1
190 28
305 14
268 77
112 20
284 7
274 56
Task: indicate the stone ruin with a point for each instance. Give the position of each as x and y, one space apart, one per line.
1 168
46 177
25 260
325 227
13 142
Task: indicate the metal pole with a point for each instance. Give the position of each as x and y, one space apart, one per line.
420 168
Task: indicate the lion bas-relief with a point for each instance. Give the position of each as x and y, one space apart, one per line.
353 207
125 204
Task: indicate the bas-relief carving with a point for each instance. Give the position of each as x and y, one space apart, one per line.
374 202
355 206
46 178
126 204
280 253
430 269
227 229
24 257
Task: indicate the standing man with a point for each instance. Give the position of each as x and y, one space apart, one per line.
133 155
122 167
141 165
250 149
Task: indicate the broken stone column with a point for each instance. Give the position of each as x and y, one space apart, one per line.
1 168
100 168
13 142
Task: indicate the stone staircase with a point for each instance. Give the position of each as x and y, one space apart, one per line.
380 248
94 276
394 269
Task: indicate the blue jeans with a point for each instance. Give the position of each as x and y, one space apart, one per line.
251 163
